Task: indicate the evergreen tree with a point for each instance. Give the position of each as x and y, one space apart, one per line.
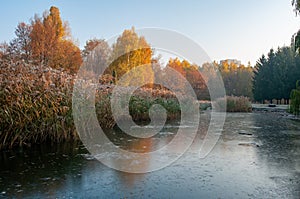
295 99
275 75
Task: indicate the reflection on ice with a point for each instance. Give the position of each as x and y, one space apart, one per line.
235 168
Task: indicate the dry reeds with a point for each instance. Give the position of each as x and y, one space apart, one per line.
234 104
36 104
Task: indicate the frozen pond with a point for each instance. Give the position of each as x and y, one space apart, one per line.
257 156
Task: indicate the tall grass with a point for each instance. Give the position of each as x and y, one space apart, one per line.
139 107
139 104
233 104
36 105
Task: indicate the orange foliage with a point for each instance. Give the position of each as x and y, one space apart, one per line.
49 45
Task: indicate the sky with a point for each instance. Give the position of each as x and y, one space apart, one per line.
225 29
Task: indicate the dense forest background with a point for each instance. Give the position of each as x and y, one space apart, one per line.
47 40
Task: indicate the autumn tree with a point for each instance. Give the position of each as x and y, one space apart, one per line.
19 47
4 51
196 80
96 55
38 40
67 56
237 78
176 65
91 44
191 74
244 81
129 52
50 43
209 74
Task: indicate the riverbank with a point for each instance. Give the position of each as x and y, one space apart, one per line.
270 108
36 105
278 110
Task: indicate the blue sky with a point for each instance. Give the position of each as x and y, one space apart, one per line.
225 29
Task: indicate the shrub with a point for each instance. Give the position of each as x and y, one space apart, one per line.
139 107
204 105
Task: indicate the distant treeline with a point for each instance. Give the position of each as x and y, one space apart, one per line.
47 40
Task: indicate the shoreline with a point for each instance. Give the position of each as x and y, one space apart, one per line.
279 110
